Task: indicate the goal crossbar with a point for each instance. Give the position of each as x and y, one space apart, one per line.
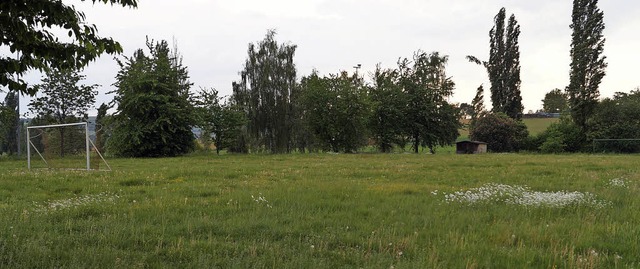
88 143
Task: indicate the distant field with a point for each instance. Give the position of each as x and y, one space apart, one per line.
326 211
535 126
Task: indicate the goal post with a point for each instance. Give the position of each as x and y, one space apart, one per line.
626 145
68 145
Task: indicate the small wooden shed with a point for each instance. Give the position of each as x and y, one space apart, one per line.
471 147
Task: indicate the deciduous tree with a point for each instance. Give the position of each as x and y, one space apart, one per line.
554 101
154 113
337 111
430 120
587 61
389 108
62 99
267 81
503 66
9 122
27 28
218 119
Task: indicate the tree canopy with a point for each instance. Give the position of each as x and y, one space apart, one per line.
554 101
587 62
336 111
264 91
28 27
430 119
61 99
503 66
154 113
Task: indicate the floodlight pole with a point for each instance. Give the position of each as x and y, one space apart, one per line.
357 67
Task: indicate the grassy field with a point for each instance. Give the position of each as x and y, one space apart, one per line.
534 126
326 211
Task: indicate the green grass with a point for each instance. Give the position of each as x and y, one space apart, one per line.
318 211
536 126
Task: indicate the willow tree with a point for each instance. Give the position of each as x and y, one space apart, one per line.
264 91
587 62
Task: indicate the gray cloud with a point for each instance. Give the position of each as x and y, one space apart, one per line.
334 35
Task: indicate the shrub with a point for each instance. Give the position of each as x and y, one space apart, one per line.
562 136
502 133
617 118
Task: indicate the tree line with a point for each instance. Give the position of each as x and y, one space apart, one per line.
270 110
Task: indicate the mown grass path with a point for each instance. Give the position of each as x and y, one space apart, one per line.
320 211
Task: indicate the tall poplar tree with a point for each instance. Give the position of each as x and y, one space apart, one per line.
267 81
503 66
587 62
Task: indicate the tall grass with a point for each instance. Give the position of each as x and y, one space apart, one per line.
319 211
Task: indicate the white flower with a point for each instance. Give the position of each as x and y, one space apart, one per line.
521 195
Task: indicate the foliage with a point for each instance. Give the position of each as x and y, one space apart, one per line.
554 101
9 123
154 115
501 132
264 93
430 120
466 109
618 118
587 62
320 211
337 110
478 104
62 100
503 66
389 109
562 136
29 29
102 126
218 120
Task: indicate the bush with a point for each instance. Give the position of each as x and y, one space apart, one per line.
502 133
617 118
553 144
562 136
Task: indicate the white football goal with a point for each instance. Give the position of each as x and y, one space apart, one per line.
63 146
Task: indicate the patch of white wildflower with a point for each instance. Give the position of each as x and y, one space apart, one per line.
618 183
75 202
261 200
523 196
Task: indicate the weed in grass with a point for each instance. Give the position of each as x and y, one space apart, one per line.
618 183
74 202
523 196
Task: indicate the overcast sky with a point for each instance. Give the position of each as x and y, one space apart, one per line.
335 35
